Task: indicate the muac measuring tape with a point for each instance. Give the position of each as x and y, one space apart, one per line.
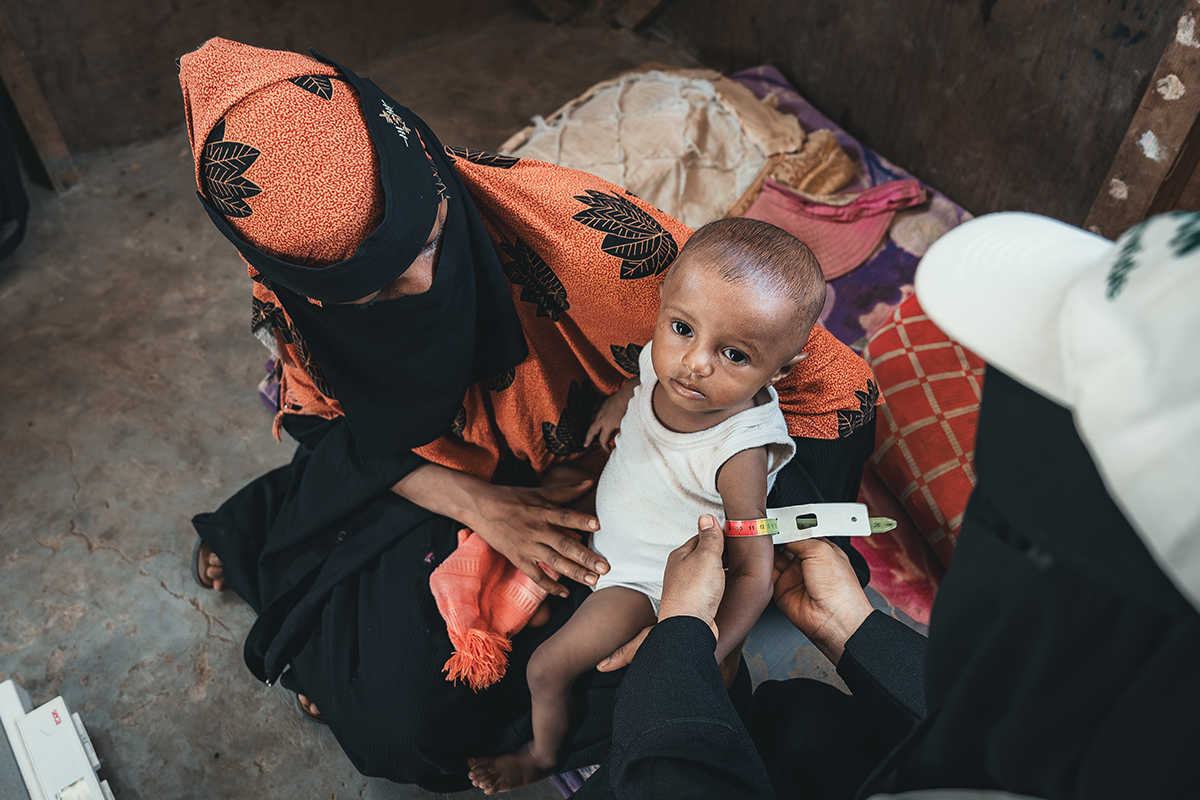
793 523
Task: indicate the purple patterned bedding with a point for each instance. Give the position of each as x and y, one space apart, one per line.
862 300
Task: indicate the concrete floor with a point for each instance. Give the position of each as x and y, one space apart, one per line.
128 372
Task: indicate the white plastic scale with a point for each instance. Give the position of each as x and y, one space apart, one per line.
793 523
51 748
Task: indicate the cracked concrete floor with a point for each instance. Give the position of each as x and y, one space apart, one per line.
128 373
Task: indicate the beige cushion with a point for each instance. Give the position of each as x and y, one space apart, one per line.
691 142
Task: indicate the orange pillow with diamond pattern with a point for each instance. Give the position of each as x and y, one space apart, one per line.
925 436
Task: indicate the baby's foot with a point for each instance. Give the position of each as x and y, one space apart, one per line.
509 771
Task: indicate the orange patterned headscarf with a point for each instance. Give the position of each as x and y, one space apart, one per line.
324 193
329 189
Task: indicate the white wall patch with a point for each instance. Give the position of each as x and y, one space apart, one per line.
1151 147
1170 87
1185 34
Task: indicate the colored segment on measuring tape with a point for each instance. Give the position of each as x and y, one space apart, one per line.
751 527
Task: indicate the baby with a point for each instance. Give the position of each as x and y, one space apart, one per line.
701 432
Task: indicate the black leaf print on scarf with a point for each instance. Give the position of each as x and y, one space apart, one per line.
514 471
567 436
258 277
539 283
644 247
483 158
627 356
503 380
850 420
260 314
223 165
273 315
320 85
438 183
459 426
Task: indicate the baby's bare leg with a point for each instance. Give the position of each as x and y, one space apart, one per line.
607 619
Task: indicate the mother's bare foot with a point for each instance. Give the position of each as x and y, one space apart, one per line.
309 709
208 570
215 572
509 771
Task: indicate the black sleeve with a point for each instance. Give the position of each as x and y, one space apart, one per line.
884 667
275 530
675 732
277 536
827 471
331 479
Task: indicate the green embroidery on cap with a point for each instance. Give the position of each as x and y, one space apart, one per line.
1125 261
1187 237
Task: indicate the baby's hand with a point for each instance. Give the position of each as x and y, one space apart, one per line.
607 422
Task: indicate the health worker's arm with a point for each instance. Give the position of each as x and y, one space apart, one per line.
675 731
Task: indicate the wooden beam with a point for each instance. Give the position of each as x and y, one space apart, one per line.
1189 197
1161 148
35 113
635 12
1179 176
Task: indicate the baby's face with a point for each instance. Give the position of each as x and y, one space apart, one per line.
716 343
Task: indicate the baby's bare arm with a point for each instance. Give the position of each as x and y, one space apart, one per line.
607 422
742 482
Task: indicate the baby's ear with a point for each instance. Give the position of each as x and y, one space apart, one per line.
786 369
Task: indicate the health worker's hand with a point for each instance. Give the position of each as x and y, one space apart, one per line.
693 584
817 590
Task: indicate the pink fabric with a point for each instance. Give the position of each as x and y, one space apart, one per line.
485 600
904 568
843 230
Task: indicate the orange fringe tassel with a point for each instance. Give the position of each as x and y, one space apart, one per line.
480 658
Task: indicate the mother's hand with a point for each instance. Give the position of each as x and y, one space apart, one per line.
530 527
527 526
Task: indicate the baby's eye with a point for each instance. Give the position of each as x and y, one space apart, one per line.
682 328
736 356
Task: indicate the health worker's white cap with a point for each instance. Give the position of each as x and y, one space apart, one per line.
1108 331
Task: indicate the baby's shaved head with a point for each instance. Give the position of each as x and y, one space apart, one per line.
748 250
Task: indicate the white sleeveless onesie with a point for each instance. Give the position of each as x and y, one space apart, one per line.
658 482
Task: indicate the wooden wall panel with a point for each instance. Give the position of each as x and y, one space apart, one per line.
1155 169
108 68
1002 104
